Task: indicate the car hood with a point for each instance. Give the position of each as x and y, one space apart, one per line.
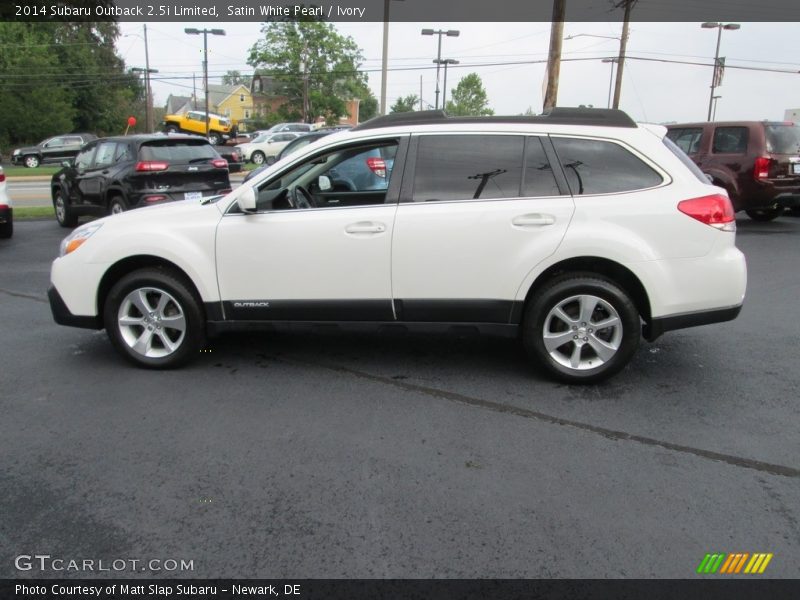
25 149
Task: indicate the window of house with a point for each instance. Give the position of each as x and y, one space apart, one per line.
468 167
600 167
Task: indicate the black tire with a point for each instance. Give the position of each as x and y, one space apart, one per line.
31 161
258 157
64 213
271 160
6 230
172 129
579 337
764 214
182 301
117 205
214 138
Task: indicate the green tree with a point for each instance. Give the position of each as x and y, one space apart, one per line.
313 65
235 78
405 104
469 98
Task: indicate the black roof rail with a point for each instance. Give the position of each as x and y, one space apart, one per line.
605 117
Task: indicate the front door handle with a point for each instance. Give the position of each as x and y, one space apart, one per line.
365 227
533 220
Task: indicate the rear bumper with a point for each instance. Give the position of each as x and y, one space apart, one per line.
63 316
660 325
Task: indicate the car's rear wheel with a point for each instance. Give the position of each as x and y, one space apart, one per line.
64 214
764 214
214 138
117 205
271 160
154 319
31 161
258 157
581 328
172 129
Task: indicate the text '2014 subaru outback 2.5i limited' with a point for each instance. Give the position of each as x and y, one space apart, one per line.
578 231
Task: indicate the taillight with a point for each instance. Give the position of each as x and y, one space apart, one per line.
2 176
150 199
761 170
235 156
219 163
152 165
224 191
377 166
715 210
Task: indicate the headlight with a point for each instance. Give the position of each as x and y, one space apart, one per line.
76 239
16 151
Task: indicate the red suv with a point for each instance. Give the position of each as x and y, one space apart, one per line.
758 162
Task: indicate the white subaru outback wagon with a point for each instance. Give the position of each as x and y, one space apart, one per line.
577 231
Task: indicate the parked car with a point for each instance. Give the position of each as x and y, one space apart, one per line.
232 155
290 148
51 150
757 162
295 127
559 229
112 175
219 128
6 209
265 147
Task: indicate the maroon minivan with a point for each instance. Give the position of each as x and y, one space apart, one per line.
758 162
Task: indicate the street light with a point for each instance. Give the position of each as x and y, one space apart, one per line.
148 112
577 35
205 32
445 62
385 56
613 61
440 33
148 103
717 76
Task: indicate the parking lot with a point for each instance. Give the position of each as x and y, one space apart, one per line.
341 455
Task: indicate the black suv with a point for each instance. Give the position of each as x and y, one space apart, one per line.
112 175
51 150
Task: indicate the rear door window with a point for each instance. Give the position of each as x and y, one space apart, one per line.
105 154
730 140
687 139
602 167
468 167
539 178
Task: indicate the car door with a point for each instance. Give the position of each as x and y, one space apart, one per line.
298 262
478 212
91 181
53 150
71 177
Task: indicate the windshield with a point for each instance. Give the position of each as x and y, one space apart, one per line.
783 139
261 138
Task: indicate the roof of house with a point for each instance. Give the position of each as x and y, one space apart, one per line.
177 103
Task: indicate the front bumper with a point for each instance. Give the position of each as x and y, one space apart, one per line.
63 316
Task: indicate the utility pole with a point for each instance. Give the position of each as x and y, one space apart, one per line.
205 32
554 57
420 92
148 113
623 44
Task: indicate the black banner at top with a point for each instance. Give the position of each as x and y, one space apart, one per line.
398 10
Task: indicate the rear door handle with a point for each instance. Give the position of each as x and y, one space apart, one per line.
533 220
365 227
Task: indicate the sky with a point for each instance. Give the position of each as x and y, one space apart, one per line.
652 91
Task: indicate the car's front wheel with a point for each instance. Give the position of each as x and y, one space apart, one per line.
258 157
31 161
581 328
154 319
117 205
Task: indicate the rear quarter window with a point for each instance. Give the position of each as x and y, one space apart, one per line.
783 139
602 167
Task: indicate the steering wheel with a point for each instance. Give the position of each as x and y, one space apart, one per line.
302 197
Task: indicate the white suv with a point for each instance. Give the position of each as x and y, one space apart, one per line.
577 231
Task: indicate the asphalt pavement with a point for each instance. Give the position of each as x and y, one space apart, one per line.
278 455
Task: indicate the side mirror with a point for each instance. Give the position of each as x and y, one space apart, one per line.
324 183
247 200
